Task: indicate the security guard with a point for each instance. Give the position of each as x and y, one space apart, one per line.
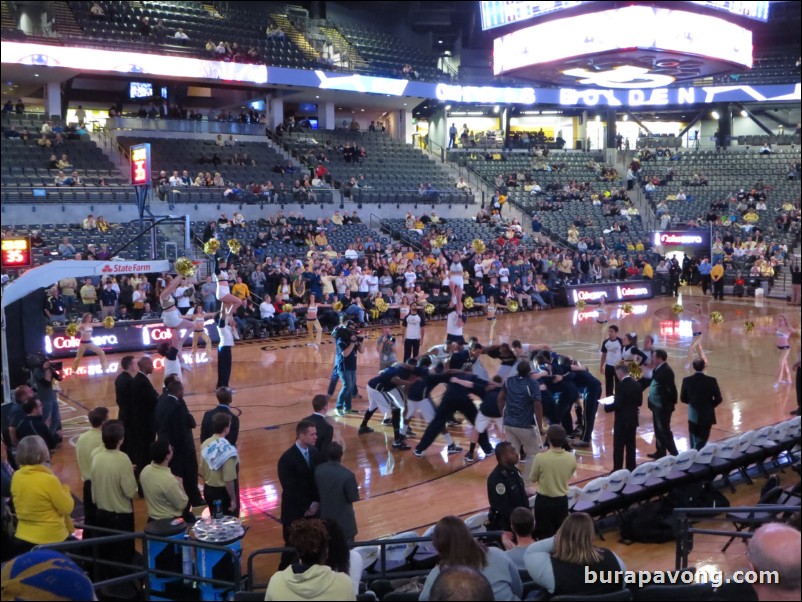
505 488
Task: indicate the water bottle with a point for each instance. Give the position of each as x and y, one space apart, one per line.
217 511
187 563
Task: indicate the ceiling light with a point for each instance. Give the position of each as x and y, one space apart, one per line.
744 113
363 110
439 41
715 115
317 96
405 104
36 75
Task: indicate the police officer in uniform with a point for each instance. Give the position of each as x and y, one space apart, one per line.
505 488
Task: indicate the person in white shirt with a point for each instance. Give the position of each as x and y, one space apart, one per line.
225 330
183 294
454 325
350 253
373 282
410 277
415 327
175 180
180 35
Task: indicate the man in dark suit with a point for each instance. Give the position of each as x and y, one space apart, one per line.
325 431
627 401
662 399
145 399
174 423
224 400
296 473
123 389
702 394
338 491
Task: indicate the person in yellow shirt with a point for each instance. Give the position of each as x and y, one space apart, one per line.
751 217
717 277
240 290
164 492
639 246
85 446
113 489
43 503
648 271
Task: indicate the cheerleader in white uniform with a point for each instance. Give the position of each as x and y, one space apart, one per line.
456 278
698 327
491 310
199 331
312 322
85 330
171 317
221 277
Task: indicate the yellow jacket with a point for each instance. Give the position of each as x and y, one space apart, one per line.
43 505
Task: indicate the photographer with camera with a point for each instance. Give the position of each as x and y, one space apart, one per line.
385 345
348 343
43 376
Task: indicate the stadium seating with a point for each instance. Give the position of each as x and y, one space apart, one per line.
394 170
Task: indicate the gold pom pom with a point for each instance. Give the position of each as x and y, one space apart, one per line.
108 322
185 267
72 329
49 330
338 306
234 246
627 309
750 326
439 241
468 303
635 370
716 317
580 305
287 307
429 309
478 245
381 305
211 246
512 306
677 309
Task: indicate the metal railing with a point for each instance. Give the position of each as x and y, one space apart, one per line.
186 126
136 572
381 562
685 518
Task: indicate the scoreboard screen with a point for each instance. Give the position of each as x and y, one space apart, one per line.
140 164
499 14
16 252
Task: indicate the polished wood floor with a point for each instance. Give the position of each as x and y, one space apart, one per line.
275 381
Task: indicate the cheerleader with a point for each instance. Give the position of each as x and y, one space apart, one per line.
314 328
456 277
631 353
403 308
199 331
171 316
491 310
85 329
220 278
697 329
782 336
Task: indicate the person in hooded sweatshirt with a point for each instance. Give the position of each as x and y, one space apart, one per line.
308 578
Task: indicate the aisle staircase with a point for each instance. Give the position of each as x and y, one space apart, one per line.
349 54
6 19
295 35
66 25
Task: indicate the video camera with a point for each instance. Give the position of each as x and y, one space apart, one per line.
348 330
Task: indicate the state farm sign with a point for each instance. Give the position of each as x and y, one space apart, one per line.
126 267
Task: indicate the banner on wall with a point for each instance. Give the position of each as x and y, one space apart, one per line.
132 63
